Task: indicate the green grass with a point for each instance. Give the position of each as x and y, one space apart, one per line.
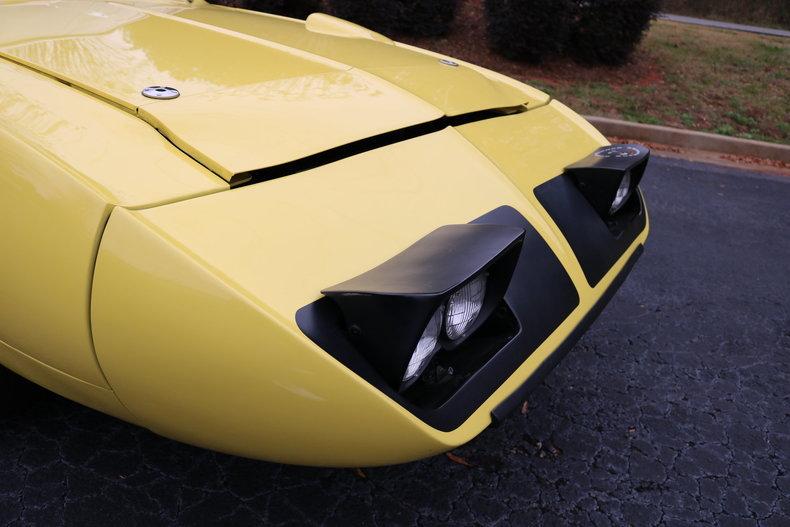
685 76
717 81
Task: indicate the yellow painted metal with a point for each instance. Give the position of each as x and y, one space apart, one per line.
246 103
117 50
353 215
535 146
256 90
190 291
533 97
330 25
233 371
532 148
51 229
227 376
244 129
65 160
453 90
120 157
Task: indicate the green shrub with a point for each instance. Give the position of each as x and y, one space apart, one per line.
292 8
608 31
427 18
378 15
528 30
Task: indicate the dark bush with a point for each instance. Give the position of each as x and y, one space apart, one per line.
528 30
293 8
378 15
425 18
608 31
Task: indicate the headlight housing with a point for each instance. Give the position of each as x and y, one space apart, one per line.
463 308
427 347
444 286
609 176
622 194
539 296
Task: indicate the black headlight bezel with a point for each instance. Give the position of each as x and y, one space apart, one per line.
598 239
600 175
540 296
386 309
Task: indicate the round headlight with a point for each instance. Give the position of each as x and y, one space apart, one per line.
464 307
622 194
426 348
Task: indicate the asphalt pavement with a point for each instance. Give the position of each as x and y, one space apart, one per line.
674 409
717 24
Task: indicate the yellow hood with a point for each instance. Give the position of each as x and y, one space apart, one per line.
247 101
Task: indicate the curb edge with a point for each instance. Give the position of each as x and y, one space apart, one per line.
691 139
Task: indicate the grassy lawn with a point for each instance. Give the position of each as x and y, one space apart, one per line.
711 80
716 81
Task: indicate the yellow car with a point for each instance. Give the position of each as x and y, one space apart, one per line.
296 241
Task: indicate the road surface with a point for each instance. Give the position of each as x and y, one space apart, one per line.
673 409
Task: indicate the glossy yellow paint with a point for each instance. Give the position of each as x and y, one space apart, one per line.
118 156
337 27
533 147
116 50
234 115
275 101
136 282
244 129
51 227
452 90
65 160
47 260
235 361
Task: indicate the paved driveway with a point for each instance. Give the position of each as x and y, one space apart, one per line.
673 409
716 24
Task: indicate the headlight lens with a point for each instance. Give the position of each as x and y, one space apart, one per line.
622 194
426 347
464 307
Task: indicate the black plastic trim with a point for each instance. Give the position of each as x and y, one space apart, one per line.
597 243
514 400
541 295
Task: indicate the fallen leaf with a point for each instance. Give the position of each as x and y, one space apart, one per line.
358 472
458 459
525 408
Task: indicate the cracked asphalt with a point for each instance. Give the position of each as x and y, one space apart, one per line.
674 409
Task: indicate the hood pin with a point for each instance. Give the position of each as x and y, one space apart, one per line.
160 92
